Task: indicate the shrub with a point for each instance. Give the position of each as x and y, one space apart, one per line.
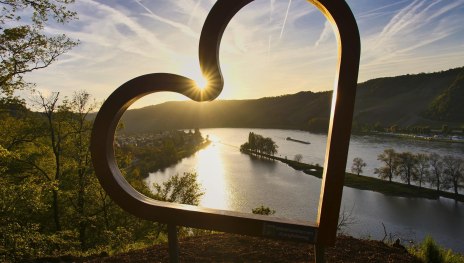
263 210
430 252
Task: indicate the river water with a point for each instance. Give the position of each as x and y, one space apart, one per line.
235 181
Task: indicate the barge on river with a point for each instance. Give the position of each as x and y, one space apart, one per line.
295 140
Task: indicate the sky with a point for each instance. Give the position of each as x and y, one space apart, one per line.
270 48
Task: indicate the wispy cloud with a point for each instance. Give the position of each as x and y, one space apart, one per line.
193 14
270 48
412 32
181 27
381 10
417 17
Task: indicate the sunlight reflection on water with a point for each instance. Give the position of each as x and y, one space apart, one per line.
211 175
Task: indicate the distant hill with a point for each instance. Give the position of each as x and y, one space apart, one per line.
448 106
408 100
426 99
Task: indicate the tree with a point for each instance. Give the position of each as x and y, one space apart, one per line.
251 141
388 157
269 146
179 189
406 166
436 170
27 186
56 132
453 171
46 153
358 165
263 210
79 165
423 166
24 46
258 144
298 157
346 220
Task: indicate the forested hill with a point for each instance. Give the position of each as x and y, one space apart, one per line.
426 99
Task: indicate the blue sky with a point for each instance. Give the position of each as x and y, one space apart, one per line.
271 47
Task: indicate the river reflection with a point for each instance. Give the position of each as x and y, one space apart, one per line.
235 181
212 177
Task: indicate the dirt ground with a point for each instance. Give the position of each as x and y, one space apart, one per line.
235 248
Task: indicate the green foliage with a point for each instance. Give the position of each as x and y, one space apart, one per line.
448 105
183 189
318 125
430 252
47 177
259 144
27 241
158 150
263 210
25 46
179 189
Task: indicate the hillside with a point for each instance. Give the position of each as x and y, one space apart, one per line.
234 248
448 105
430 99
406 100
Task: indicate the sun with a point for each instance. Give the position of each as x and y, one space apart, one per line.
191 70
201 83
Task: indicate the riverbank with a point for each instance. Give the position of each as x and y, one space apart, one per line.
366 182
422 137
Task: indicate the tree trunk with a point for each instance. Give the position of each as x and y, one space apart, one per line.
82 236
56 214
455 184
80 208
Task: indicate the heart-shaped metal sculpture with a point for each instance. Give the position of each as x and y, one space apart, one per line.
324 230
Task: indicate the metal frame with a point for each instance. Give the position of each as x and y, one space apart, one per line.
323 232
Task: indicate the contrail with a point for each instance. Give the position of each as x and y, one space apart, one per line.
269 48
271 10
285 20
144 7
193 12
187 30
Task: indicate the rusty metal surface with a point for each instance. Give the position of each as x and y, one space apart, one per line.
323 232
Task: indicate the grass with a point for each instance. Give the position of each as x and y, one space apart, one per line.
369 183
430 252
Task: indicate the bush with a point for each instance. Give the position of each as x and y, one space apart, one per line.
26 242
430 252
263 210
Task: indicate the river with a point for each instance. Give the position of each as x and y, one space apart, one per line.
235 181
